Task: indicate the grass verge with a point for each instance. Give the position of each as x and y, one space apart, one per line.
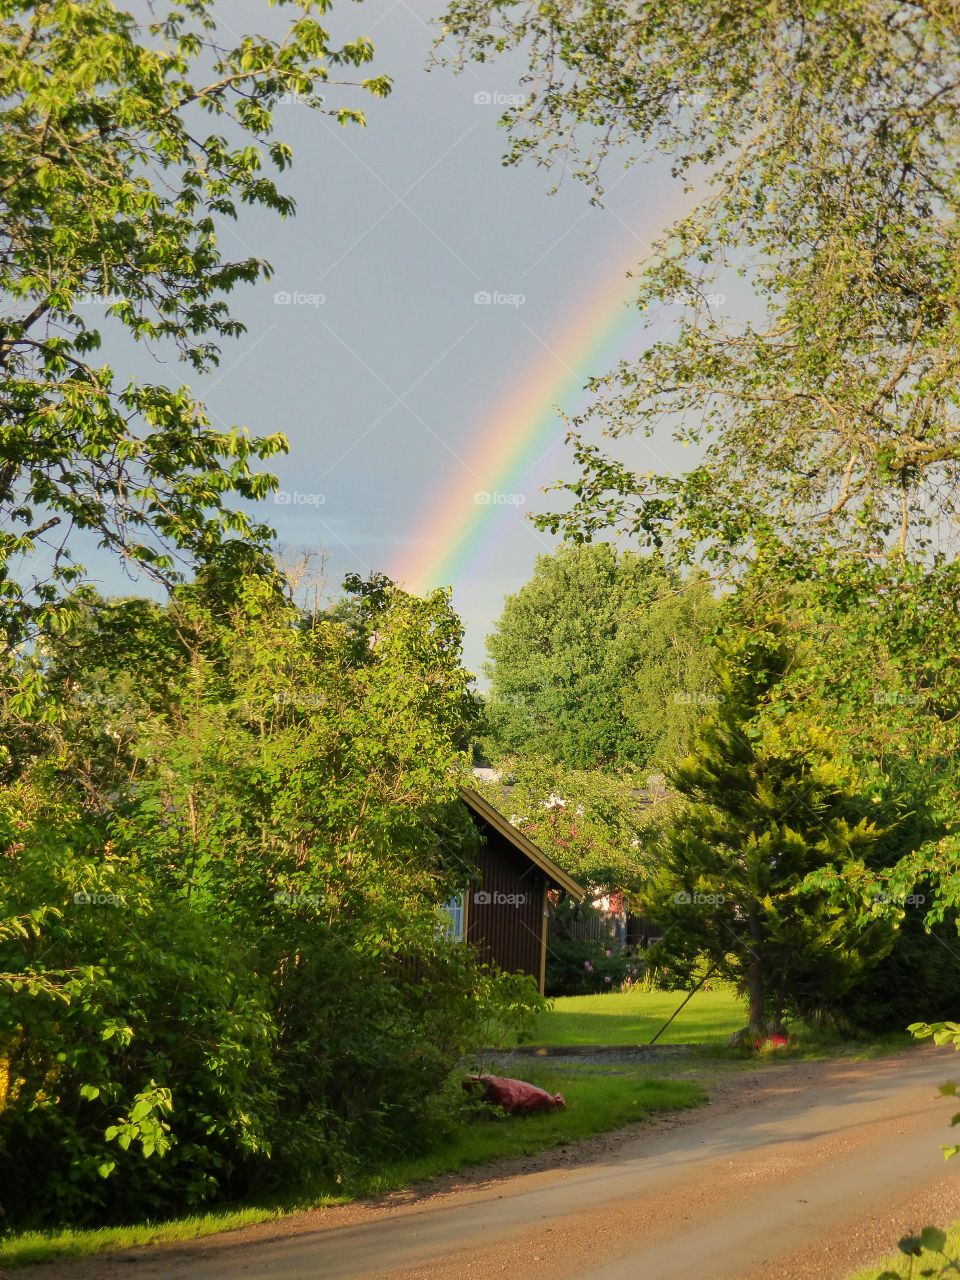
929 1262
30 1247
595 1104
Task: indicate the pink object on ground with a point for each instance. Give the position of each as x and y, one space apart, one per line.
515 1096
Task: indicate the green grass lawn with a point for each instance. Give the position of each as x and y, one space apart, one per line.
596 1103
634 1017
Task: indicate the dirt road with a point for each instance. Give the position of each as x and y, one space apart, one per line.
799 1171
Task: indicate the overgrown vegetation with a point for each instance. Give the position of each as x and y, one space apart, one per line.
468 1134
226 832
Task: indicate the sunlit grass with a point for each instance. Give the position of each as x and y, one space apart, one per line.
634 1017
36 1246
709 1019
595 1104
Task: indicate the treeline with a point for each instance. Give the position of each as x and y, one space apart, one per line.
799 836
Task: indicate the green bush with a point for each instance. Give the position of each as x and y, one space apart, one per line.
919 979
144 997
576 967
260 815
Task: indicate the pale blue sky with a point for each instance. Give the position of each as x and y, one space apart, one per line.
384 385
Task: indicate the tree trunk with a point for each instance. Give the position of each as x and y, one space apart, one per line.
756 986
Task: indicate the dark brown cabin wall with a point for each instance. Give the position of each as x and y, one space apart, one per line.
505 934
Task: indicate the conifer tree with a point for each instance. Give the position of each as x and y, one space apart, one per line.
759 828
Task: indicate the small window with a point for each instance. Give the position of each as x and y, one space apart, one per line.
455 911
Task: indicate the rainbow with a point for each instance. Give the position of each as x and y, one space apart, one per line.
521 427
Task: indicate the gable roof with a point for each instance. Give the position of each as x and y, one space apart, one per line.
483 809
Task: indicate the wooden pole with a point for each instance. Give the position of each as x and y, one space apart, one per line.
686 999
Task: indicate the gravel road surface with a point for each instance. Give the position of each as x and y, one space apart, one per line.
799 1171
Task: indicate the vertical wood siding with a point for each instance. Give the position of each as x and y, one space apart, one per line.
506 933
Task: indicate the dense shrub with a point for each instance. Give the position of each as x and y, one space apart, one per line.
259 814
577 967
919 979
144 1082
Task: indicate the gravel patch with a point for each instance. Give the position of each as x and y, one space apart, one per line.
593 1055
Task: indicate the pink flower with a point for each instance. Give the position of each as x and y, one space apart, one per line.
588 966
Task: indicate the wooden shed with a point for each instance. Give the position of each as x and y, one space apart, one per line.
504 913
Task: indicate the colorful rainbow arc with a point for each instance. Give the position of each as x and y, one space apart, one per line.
520 429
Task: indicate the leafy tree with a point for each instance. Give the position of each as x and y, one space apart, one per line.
761 833
597 660
225 967
588 821
121 148
826 413
877 663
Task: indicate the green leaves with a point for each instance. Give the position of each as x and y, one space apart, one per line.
599 660
823 402
941 1033
224 853
109 210
144 1124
